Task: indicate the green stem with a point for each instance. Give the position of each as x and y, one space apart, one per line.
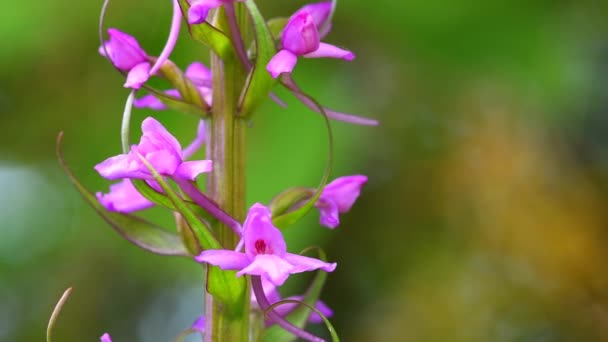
227 322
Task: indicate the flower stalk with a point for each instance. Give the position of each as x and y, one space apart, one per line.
226 186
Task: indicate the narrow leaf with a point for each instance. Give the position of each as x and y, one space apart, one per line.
207 34
289 218
162 200
204 235
259 82
142 233
55 313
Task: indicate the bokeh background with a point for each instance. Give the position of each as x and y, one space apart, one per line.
484 218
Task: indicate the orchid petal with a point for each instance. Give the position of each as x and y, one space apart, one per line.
138 75
330 51
106 338
261 237
123 198
226 260
328 209
191 169
344 191
302 263
283 62
152 102
120 166
300 35
272 267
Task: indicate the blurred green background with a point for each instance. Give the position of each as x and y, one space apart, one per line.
484 218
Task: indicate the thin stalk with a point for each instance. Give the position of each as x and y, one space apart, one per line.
226 186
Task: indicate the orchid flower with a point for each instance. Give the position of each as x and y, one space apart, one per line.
199 9
126 55
106 338
302 37
161 150
338 197
265 252
124 197
200 76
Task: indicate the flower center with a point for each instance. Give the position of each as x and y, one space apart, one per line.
262 248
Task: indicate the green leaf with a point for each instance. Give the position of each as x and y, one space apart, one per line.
162 200
227 288
259 81
276 26
188 91
299 316
207 34
204 235
291 217
142 233
55 313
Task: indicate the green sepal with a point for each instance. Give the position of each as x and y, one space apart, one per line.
177 104
287 219
276 26
259 82
188 91
141 233
299 316
289 198
212 37
204 235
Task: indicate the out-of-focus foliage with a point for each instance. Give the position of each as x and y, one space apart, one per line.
485 215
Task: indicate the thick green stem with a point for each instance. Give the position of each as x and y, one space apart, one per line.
227 322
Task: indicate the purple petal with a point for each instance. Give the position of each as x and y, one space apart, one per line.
124 50
106 338
163 161
198 72
325 310
197 13
283 62
273 267
319 12
152 102
330 51
197 142
138 75
156 137
200 324
261 237
300 35
123 198
302 263
328 209
190 169
344 191
121 166
226 260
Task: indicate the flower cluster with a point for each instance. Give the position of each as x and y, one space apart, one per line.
157 171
